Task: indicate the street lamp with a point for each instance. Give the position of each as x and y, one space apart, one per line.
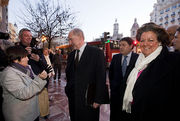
43 39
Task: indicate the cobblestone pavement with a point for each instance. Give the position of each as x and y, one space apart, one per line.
59 103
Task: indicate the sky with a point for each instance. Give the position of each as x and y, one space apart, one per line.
97 16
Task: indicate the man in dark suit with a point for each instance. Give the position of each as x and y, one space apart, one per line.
85 73
120 67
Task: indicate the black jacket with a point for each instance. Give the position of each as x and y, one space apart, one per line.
156 91
90 69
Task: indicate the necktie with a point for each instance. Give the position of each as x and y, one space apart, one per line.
77 58
124 65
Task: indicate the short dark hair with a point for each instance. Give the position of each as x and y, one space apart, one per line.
161 33
15 53
128 40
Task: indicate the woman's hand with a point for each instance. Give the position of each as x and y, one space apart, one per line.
43 75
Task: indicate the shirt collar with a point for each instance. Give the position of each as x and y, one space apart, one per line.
82 47
128 55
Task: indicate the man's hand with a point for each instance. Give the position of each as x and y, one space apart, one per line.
96 105
29 49
35 57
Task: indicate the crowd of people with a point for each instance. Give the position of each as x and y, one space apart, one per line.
25 75
143 86
151 81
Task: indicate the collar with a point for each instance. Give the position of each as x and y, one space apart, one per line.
19 67
82 47
128 55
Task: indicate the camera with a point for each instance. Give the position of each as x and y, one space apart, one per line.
4 36
34 43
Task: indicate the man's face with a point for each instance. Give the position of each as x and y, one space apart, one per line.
176 41
125 48
171 31
74 40
26 38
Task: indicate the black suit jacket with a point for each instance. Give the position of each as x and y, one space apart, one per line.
90 70
118 84
156 91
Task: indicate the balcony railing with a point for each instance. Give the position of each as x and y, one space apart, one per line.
173 20
166 17
173 15
166 23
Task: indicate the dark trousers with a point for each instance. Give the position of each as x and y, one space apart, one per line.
123 116
57 70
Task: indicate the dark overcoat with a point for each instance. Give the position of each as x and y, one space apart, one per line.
90 69
118 84
156 91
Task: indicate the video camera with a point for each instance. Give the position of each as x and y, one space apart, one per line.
4 36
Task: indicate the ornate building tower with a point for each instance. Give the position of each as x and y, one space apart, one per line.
116 28
134 29
116 35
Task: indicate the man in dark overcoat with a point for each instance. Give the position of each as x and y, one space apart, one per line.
86 79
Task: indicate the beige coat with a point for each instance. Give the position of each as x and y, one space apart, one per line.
20 95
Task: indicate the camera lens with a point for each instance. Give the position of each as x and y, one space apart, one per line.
4 36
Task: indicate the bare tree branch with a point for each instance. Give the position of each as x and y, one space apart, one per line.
48 18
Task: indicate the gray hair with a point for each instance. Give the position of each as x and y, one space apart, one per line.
78 32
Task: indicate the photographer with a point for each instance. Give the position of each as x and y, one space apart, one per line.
37 64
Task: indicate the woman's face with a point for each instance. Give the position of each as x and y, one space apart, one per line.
148 43
24 61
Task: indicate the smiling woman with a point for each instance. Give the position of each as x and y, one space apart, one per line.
153 84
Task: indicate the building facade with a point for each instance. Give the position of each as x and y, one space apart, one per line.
4 15
12 28
166 13
4 22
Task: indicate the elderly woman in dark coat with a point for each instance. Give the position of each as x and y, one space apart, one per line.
153 85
